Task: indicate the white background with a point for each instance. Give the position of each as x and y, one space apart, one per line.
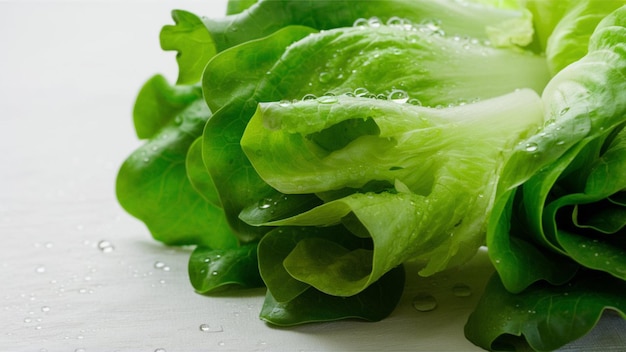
69 73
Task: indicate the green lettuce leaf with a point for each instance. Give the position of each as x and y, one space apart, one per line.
546 317
197 39
373 304
193 43
566 165
238 185
213 270
152 184
422 153
293 62
563 28
238 6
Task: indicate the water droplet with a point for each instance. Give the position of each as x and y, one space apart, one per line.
531 147
160 350
398 96
564 111
324 77
284 102
327 99
178 120
374 22
48 245
395 21
209 328
105 246
360 22
309 97
159 265
432 27
221 343
28 320
359 92
265 203
40 269
207 260
214 273
414 101
45 309
424 302
461 290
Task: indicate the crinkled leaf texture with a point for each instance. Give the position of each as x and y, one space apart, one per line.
441 167
193 43
294 62
556 234
576 160
545 316
229 85
152 184
327 14
197 39
563 27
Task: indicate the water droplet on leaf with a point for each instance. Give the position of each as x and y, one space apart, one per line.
461 290
531 147
398 96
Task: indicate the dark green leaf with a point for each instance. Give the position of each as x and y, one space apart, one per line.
372 304
152 183
516 257
277 245
212 270
603 216
238 184
278 206
546 316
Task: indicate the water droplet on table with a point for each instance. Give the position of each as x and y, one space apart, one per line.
209 328
424 302
105 246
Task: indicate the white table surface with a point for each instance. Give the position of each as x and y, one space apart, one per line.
69 73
